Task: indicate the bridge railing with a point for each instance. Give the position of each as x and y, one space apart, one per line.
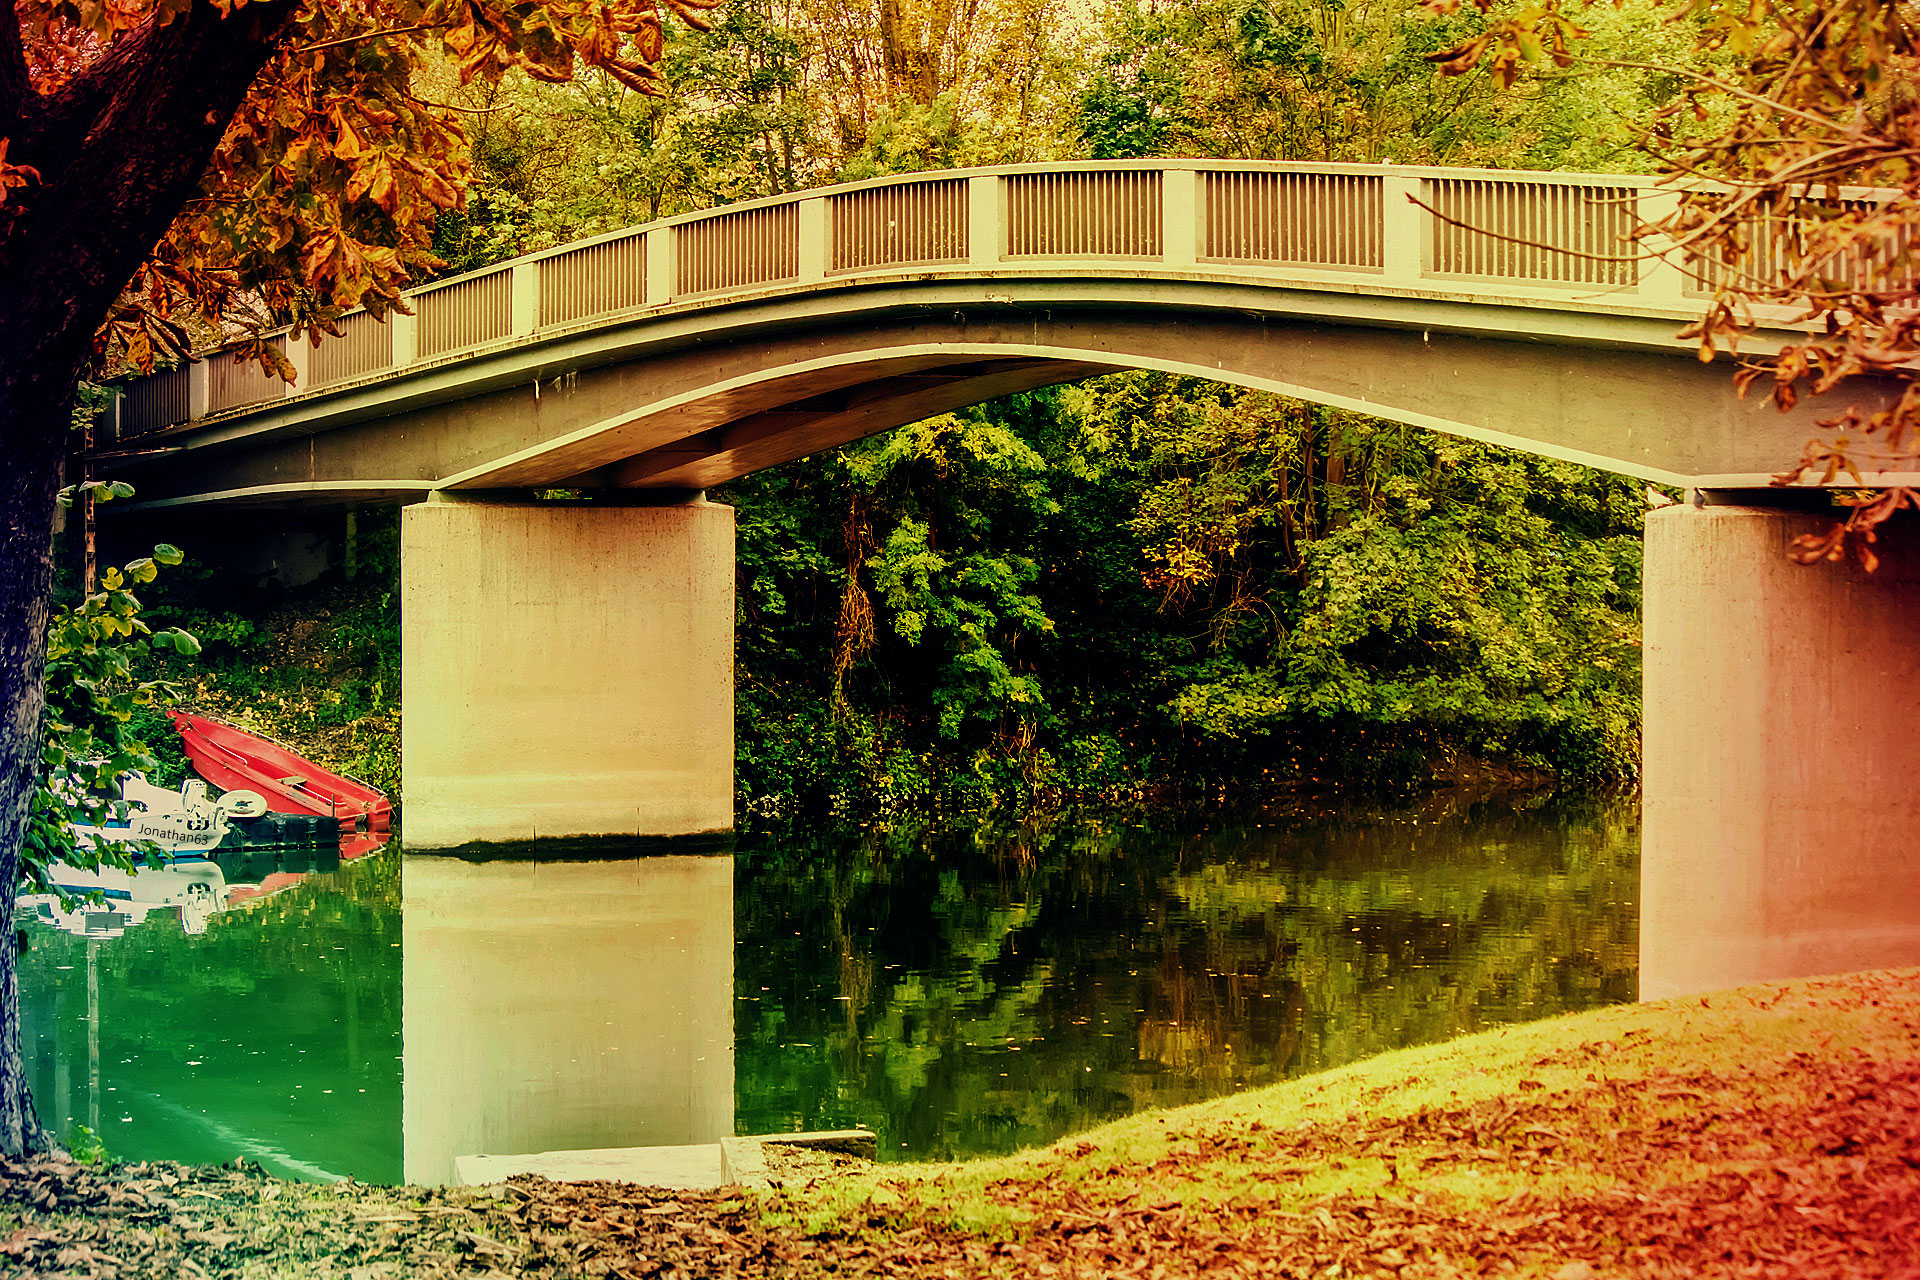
1453 231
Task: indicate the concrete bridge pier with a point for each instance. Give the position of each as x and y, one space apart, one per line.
1781 802
568 670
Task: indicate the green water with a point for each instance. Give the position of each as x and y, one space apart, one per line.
959 991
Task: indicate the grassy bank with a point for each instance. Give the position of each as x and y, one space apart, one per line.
1770 1131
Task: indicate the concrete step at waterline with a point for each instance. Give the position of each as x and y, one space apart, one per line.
696 1167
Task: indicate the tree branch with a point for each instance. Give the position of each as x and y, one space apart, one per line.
369 35
1732 90
1644 256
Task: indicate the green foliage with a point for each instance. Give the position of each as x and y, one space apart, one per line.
1330 80
86 1147
911 137
554 162
1148 582
960 602
104 690
1388 580
152 726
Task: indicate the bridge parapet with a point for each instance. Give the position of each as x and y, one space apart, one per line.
1460 232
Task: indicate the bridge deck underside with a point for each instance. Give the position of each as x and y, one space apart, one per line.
691 414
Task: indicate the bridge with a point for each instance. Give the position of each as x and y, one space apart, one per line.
568 664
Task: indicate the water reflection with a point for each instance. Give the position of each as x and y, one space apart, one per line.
975 991
557 1006
103 902
959 992
272 1033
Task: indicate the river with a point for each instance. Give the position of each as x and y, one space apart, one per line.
959 990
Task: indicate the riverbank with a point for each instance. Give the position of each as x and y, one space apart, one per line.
1769 1131
317 666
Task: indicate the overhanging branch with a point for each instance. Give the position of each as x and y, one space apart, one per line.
120 150
14 84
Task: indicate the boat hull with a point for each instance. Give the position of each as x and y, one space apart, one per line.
234 759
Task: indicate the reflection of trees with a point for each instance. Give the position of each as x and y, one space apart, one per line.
979 991
960 992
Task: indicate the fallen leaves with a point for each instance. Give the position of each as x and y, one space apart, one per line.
1795 1166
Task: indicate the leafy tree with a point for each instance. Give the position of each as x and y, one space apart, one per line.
1377 580
1325 80
554 162
1149 581
993 66
947 590
198 157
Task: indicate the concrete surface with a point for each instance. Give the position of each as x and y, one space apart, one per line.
552 1006
1781 811
729 1162
689 401
688 383
743 1162
689 1168
567 671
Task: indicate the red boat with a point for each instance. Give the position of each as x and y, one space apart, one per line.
233 759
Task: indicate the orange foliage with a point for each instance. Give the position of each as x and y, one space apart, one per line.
321 195
1799 203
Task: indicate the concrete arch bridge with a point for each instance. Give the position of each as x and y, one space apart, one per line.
568 666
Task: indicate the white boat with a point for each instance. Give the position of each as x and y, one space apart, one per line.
189 821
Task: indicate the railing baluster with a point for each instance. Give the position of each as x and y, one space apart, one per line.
911 224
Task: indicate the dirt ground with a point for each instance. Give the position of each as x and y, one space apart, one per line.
1774 1133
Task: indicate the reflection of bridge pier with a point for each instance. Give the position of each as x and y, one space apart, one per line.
565 1005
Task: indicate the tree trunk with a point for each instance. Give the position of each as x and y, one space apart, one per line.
27 486
119 150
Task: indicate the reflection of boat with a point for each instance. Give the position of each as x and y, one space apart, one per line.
104 902
234 758
269 885
197 887
87 920
362 843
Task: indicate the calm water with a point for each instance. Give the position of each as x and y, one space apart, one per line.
959 992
